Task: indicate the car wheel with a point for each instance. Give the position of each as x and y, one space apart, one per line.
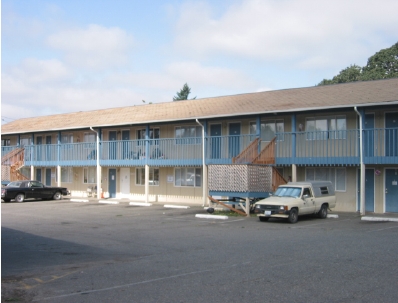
323 212
293 215
263 219
20 198
57 196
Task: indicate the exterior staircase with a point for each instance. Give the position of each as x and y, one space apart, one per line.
251 155
11 163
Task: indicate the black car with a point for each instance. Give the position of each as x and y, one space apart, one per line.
30 189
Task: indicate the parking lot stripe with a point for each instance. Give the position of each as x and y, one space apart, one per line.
211 217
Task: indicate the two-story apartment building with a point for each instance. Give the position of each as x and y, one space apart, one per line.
168 152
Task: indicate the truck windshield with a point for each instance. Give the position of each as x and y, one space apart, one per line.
288 192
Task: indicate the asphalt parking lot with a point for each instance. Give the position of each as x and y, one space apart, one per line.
63 251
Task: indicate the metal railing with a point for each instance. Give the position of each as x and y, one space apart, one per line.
380 146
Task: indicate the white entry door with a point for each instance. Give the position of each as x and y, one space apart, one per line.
125 182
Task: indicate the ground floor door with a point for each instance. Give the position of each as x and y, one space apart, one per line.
125 181
391 190
369 190
48 176
112 183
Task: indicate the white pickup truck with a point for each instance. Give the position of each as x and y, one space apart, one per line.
297 198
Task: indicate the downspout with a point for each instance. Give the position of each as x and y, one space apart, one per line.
98 165
362 166
204 170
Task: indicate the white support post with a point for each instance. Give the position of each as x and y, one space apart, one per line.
59 175
146 183
294 173
32 172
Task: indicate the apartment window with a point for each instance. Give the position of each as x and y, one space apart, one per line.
89 175
154 133
90 137
188 176
188 134
153 176
269 130
66 175
5 142
323 128
66 138
26 141
336 175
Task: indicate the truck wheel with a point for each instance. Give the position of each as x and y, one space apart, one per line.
263 219
20 198
57 196
323 212
293 215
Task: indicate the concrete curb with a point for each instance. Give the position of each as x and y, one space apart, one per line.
79 200
108 202
211 217
176 206
379 219
140 204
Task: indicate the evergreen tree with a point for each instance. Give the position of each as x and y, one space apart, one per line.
183 93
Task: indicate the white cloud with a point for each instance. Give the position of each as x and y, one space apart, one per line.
95 47
288 31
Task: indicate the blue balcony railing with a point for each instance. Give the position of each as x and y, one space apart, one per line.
380 146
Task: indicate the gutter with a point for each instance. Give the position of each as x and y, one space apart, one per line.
204 170
98 165
362 165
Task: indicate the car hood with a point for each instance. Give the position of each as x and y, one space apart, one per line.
276 200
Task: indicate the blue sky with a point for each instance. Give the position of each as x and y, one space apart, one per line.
69 56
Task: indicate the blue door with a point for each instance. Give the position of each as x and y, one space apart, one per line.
112 183
391 135
369 189
391 191
234 139
112 145
38 174
39 142
215 141
368 140
48 176
48 149
125 147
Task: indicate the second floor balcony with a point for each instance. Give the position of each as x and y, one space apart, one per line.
380 146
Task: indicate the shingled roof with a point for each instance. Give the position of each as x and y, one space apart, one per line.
365 93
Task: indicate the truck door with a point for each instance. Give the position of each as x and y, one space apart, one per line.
308 201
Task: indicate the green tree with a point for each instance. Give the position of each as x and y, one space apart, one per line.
183 93
382 65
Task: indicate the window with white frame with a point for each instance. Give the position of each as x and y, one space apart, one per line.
66 175
337 175
323 128
26 141
89 175
153 176
154 133
188 176
5 142
188 134
269 129
66 138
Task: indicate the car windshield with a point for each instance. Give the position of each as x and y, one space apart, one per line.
288 192
14 184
